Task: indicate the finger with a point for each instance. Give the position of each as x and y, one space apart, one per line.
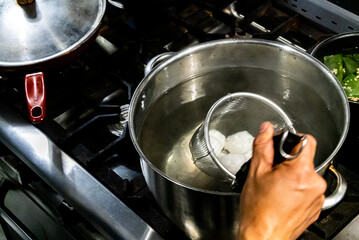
263 151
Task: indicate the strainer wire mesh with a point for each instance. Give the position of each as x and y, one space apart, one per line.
235 112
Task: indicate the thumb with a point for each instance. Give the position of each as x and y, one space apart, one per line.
263 152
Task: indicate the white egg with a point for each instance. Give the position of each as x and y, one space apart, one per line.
217 140
233 162
240 142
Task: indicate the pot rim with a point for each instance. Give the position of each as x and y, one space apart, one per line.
333 38
137 98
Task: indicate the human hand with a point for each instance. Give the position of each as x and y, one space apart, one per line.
281 201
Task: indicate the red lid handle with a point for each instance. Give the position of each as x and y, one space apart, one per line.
35 96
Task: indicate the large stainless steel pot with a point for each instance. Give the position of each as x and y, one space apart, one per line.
174 97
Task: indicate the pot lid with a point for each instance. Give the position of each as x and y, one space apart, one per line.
45 29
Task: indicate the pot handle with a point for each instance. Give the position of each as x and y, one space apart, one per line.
35 96
339 191
156 60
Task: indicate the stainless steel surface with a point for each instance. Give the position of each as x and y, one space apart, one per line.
156 60
339 191
324 13
5 217
45 29
200 214
103 209
350 232
117 4
176 95
240 17
232 11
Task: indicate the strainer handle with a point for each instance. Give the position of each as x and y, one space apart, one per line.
284 142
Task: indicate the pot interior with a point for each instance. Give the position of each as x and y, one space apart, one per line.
171 119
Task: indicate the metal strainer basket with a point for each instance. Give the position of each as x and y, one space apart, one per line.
232 114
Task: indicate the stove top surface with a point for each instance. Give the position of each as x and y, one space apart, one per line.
87 99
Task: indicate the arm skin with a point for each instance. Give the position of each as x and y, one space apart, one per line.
281 201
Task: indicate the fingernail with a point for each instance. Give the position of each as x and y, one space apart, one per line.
263 127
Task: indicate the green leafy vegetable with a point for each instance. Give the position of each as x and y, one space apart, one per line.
335 64
333 61
351 85
346 68
340 74
356 56
351 65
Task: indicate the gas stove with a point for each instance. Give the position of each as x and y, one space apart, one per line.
76 174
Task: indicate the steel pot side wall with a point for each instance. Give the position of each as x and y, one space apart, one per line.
201 215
